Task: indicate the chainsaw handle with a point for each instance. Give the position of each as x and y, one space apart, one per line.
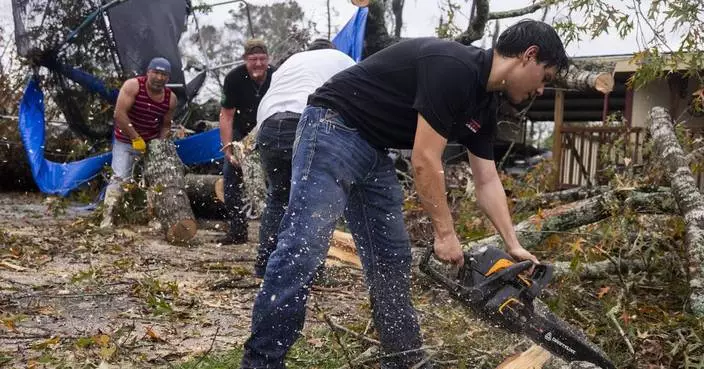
468 294
542 274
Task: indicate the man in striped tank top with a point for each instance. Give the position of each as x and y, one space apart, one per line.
143 112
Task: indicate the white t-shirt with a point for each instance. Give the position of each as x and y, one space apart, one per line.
299 76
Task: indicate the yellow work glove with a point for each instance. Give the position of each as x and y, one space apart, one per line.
139 145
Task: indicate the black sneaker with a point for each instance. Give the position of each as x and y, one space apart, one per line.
232 240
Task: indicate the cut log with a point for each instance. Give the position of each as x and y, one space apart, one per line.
164 173
253 177
342 248
533 358
206 193
689 200
579 79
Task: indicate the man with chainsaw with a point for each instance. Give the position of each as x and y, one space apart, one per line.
417 94
143 112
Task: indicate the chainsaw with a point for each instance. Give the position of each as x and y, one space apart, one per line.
499 291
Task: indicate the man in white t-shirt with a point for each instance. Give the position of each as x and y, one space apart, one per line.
277 118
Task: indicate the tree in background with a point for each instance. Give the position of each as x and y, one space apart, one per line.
281 25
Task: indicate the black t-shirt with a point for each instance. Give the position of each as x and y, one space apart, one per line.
444 81
241 93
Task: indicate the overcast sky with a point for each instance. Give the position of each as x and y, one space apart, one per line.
422 16
420 19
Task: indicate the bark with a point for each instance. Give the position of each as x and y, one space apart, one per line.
252 176
518 12
599 269
477 24
164 173
578 79
549 198
376 36
206 193
688 197
537 228
397 8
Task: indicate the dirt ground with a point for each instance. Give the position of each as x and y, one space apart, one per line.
71 294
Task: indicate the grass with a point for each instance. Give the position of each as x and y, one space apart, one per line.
316 350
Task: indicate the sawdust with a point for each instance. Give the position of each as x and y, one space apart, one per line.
125 296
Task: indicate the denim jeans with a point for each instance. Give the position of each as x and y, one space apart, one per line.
124 157
275 145
234 191
334 173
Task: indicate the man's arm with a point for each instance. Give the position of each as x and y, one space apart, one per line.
426 160
226 116
168 117
125 100
492 201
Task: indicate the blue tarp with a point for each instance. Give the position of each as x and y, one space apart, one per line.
62 178
350 39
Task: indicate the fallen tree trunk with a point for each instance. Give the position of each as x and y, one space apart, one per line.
206 193
548 199
599 269
537 228
689 200
164 173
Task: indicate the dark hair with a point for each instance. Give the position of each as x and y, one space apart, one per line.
515 39
321 43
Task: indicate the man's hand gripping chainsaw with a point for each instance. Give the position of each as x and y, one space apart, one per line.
494 286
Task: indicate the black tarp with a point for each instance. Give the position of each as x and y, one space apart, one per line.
144 29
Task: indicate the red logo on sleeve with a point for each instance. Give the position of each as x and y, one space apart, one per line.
473 125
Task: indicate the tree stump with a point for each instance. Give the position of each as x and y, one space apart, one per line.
164 173
206 193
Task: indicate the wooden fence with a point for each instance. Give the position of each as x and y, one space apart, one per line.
587 152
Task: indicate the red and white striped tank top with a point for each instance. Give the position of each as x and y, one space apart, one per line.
146 114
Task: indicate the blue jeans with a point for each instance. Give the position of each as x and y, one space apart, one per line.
124 157
275 144
334 173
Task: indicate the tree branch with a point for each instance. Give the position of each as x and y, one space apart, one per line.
376 36
689 200
696 154
397 8
518 12
477 24
475 30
